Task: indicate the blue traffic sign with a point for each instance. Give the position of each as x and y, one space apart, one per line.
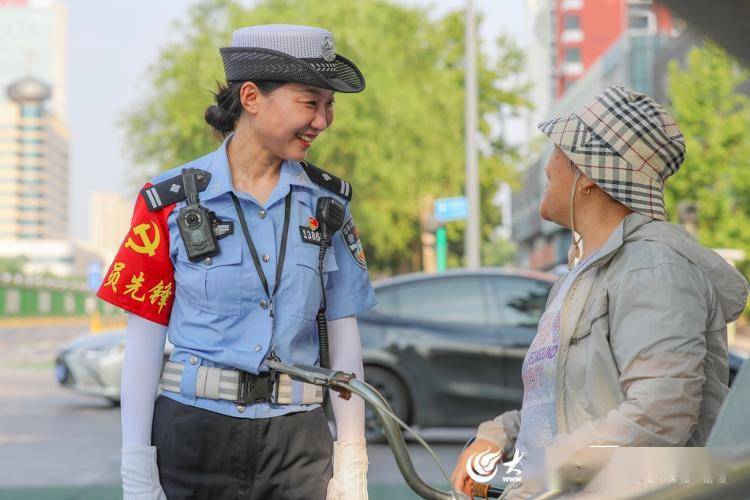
94 275
448 209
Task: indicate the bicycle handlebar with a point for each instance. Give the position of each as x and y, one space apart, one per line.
346 383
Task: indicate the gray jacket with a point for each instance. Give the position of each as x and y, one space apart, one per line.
643 345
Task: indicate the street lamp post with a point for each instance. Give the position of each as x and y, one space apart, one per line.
471 243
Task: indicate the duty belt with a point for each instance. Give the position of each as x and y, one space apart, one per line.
239 386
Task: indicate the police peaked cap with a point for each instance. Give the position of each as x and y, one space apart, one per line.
287 53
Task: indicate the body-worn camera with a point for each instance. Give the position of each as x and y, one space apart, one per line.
195 223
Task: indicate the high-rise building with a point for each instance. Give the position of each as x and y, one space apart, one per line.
33 43
34 164
578 48
539 59
570 36
34 139
584 31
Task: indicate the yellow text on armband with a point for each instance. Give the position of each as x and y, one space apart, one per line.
135 284
114 276
160 293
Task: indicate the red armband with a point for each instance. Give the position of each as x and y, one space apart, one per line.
141 277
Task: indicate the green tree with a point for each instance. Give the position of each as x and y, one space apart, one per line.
714 117
400 142
12 265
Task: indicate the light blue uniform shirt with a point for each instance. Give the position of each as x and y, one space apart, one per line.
218 314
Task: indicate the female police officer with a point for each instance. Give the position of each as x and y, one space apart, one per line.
223 257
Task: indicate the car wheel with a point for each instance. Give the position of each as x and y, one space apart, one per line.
394 391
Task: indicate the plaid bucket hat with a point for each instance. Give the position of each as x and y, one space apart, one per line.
289 53
626 143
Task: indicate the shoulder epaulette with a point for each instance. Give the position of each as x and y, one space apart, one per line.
171 190
328 181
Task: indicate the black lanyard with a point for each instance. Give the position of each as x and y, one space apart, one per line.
254 252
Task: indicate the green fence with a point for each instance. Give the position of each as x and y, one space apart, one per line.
26 297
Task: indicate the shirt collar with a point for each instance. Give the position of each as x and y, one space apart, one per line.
292 174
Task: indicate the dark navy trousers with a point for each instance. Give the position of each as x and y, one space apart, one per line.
207 455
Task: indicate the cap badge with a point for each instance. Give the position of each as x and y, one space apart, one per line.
328 50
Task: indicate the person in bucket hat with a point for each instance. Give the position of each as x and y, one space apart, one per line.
632 348
624 143
224 425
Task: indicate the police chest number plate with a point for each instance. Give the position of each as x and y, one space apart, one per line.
310 236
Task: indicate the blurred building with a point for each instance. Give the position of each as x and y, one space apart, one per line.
34 138
567 37
109 221
578 48
33 165
582 33
58 257
540 58
33 43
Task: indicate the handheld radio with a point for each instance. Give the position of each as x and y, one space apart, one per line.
330 214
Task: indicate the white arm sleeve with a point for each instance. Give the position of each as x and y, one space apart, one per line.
141 371
346 356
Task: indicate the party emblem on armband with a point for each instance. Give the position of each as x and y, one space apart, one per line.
145 243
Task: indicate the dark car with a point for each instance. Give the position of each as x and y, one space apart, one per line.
446 350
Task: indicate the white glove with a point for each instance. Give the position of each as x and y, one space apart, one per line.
349 481
140 475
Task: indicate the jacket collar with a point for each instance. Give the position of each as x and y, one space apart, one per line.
627 226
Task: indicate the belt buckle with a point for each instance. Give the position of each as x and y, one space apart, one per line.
243 388
254 388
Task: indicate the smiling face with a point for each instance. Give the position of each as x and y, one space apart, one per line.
289 119
555 204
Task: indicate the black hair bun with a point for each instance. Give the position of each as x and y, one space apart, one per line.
220 118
